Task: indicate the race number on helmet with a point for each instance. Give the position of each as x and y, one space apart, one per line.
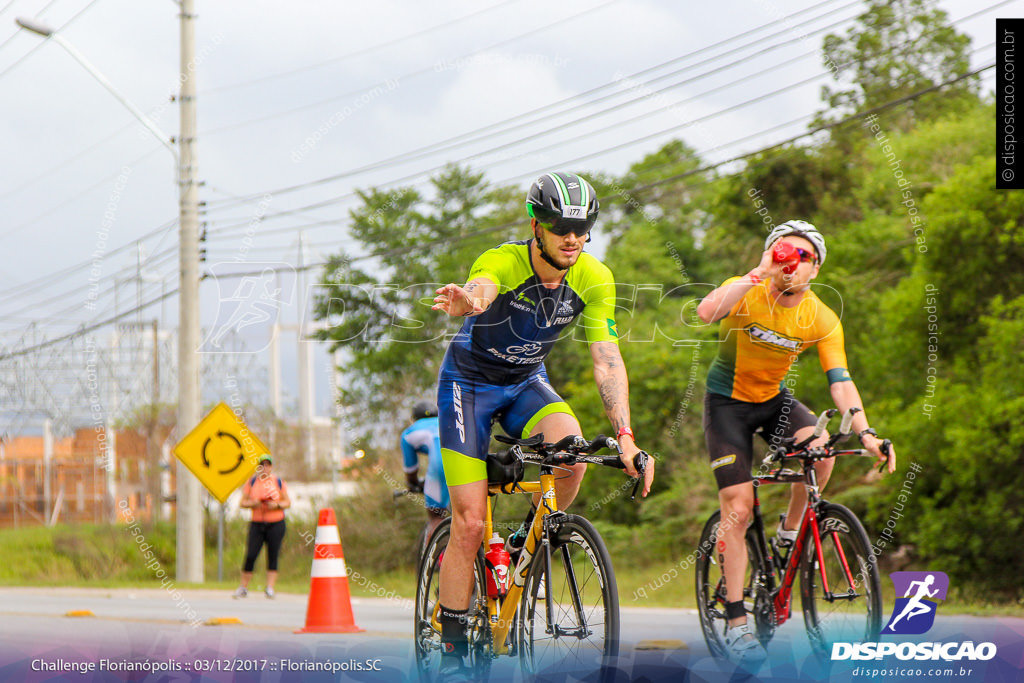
560 198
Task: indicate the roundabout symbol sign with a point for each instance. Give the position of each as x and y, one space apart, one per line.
221 451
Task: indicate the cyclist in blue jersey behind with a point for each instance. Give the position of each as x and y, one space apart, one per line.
421 438
518 299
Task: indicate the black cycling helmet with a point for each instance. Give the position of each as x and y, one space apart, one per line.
424 409
564 201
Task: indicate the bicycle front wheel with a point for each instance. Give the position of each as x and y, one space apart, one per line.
711 594
569 616
841 598
427 629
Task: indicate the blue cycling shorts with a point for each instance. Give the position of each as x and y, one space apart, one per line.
467 408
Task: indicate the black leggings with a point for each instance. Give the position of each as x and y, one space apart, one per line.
271 533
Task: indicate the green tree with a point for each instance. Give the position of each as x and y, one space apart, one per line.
655 214
896 48
376 296
968 440
772 188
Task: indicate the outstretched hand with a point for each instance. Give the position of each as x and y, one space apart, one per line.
456 301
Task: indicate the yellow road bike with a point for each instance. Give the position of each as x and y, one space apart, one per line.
561 612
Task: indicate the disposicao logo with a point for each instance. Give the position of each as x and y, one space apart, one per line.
914 614
922 592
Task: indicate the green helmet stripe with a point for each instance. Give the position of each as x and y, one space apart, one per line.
563 191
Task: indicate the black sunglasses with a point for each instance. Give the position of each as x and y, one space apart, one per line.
563 229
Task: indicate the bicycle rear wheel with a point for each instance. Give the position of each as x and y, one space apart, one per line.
579 634
846 604
427 629
711 595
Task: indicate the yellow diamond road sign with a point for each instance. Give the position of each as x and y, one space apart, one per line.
221 451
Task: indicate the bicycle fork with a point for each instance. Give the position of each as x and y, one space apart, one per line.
552 524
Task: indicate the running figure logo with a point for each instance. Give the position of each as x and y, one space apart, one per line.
247 308
914 613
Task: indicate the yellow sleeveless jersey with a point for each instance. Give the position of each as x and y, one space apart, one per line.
760 339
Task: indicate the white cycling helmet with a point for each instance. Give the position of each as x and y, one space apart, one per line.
801 229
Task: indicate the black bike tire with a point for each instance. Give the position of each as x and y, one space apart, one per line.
573 528
421 546
713 623
809 577
427 577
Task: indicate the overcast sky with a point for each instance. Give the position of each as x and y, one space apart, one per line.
292 93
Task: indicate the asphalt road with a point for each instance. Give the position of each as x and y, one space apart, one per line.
167 636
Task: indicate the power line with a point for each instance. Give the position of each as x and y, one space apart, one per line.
220 234
591 133
31 285
42 42
826 126
350 195
629 143
75 197
110 287
357 53
705 168
448 241
477 133
406 77
17 31
60 166
338 221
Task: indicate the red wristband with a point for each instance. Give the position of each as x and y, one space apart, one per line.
625 430
753 278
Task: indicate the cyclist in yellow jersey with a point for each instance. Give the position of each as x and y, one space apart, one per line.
768 317
518 299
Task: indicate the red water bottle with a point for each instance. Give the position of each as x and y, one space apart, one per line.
497 560
784 252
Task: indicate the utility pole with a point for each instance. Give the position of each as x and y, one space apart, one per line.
47 469
189 520
153 470
189 511
305 348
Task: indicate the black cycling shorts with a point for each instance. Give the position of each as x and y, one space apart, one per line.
730 424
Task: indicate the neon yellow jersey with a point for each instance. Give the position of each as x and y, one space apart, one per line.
513 336
760 340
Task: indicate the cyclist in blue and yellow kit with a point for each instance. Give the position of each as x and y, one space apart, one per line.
769 316
518 298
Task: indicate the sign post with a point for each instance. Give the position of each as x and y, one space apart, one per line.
223 453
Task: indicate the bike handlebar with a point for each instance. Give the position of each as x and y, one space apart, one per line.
573 449
801 450
823 420
847 421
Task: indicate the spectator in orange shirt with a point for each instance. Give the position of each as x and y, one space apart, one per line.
267 496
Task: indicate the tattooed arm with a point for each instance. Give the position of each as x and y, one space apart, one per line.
473 299
613 385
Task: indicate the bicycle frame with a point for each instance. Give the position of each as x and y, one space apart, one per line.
809 530
500 611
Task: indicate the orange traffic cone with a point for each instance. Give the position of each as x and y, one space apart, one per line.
330 606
